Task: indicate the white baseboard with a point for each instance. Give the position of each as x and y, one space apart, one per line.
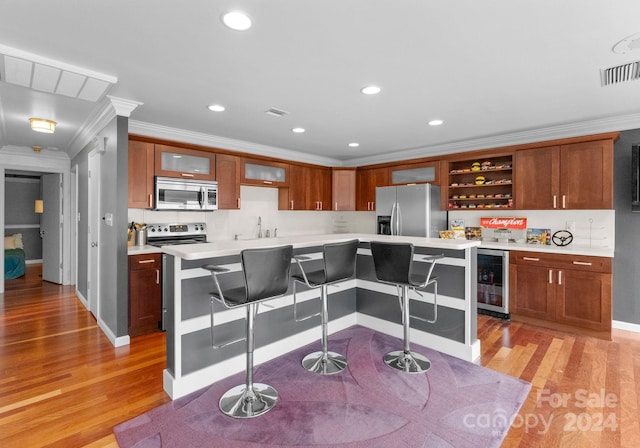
115 340
626 326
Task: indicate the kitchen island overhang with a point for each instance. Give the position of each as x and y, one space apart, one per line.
192 363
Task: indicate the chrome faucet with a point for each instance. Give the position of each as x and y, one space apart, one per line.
259 227
275 232
267 234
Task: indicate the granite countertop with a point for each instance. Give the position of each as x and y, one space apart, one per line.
226 247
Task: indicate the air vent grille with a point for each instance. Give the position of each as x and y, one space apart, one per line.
621 73
275 112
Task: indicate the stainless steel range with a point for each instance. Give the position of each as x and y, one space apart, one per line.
168 234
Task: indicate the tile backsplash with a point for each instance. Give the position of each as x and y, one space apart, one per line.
262 202
593 228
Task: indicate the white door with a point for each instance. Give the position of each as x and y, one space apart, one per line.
51 228
93 251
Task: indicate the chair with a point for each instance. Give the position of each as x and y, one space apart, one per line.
339 263
394 265
266 276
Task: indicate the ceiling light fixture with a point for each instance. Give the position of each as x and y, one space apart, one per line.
370 90
298 130
435 122
43 125
216 108
354 144
237 20
36 148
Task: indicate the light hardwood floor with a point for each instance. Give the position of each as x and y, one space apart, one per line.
63 384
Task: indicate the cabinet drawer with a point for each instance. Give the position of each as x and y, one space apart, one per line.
562 261
144 261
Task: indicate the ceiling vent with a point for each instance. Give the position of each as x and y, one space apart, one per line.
274 112
620 73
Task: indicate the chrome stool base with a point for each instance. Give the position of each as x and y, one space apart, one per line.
407 362
330 364
239 402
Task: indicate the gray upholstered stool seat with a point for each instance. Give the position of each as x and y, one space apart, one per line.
394 265
339 263
266 276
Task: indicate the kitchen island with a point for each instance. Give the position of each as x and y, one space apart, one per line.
192 363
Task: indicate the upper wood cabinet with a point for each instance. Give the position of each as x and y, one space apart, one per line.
415 173
141 169
366 182
264 173
572 176
309 189
173 161
228 177
343 189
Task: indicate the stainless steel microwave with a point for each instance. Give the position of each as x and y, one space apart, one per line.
186 194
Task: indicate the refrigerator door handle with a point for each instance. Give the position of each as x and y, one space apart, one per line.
393 218
398 220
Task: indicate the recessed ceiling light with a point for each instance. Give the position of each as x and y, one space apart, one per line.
298 130
216 108
370 90
237 20
354 144
435 122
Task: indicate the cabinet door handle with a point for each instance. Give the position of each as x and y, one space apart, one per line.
268 182
150 201
157 276
583 263
238 202
559 277
186 174
336 206
550 276
564 201
145 261
530 259
291 206
555 201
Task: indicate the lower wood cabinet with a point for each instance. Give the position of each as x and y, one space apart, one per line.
145 294
570 290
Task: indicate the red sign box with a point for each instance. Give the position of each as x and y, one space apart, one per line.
504 223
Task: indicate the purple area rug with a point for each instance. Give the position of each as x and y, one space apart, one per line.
454 404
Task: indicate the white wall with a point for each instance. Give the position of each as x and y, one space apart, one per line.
263 202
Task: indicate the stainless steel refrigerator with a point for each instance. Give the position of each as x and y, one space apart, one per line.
410 210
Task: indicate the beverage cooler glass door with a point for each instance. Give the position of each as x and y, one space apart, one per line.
493 281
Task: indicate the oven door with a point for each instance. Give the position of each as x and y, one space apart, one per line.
179 194
493 281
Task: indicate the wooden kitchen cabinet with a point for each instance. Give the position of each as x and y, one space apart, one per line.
571 176
264 173
343 189
228 177
415 173
569 290
145 299
366 182
464 191
173 161
309 189
141 172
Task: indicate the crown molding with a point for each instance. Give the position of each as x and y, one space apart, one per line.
576 129
122 106
96 122
197 138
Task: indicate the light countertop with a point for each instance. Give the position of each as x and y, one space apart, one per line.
143 250
226 247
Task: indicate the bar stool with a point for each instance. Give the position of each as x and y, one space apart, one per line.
266 276
339 263
394 265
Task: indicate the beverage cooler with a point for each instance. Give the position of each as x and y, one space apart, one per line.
493 282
